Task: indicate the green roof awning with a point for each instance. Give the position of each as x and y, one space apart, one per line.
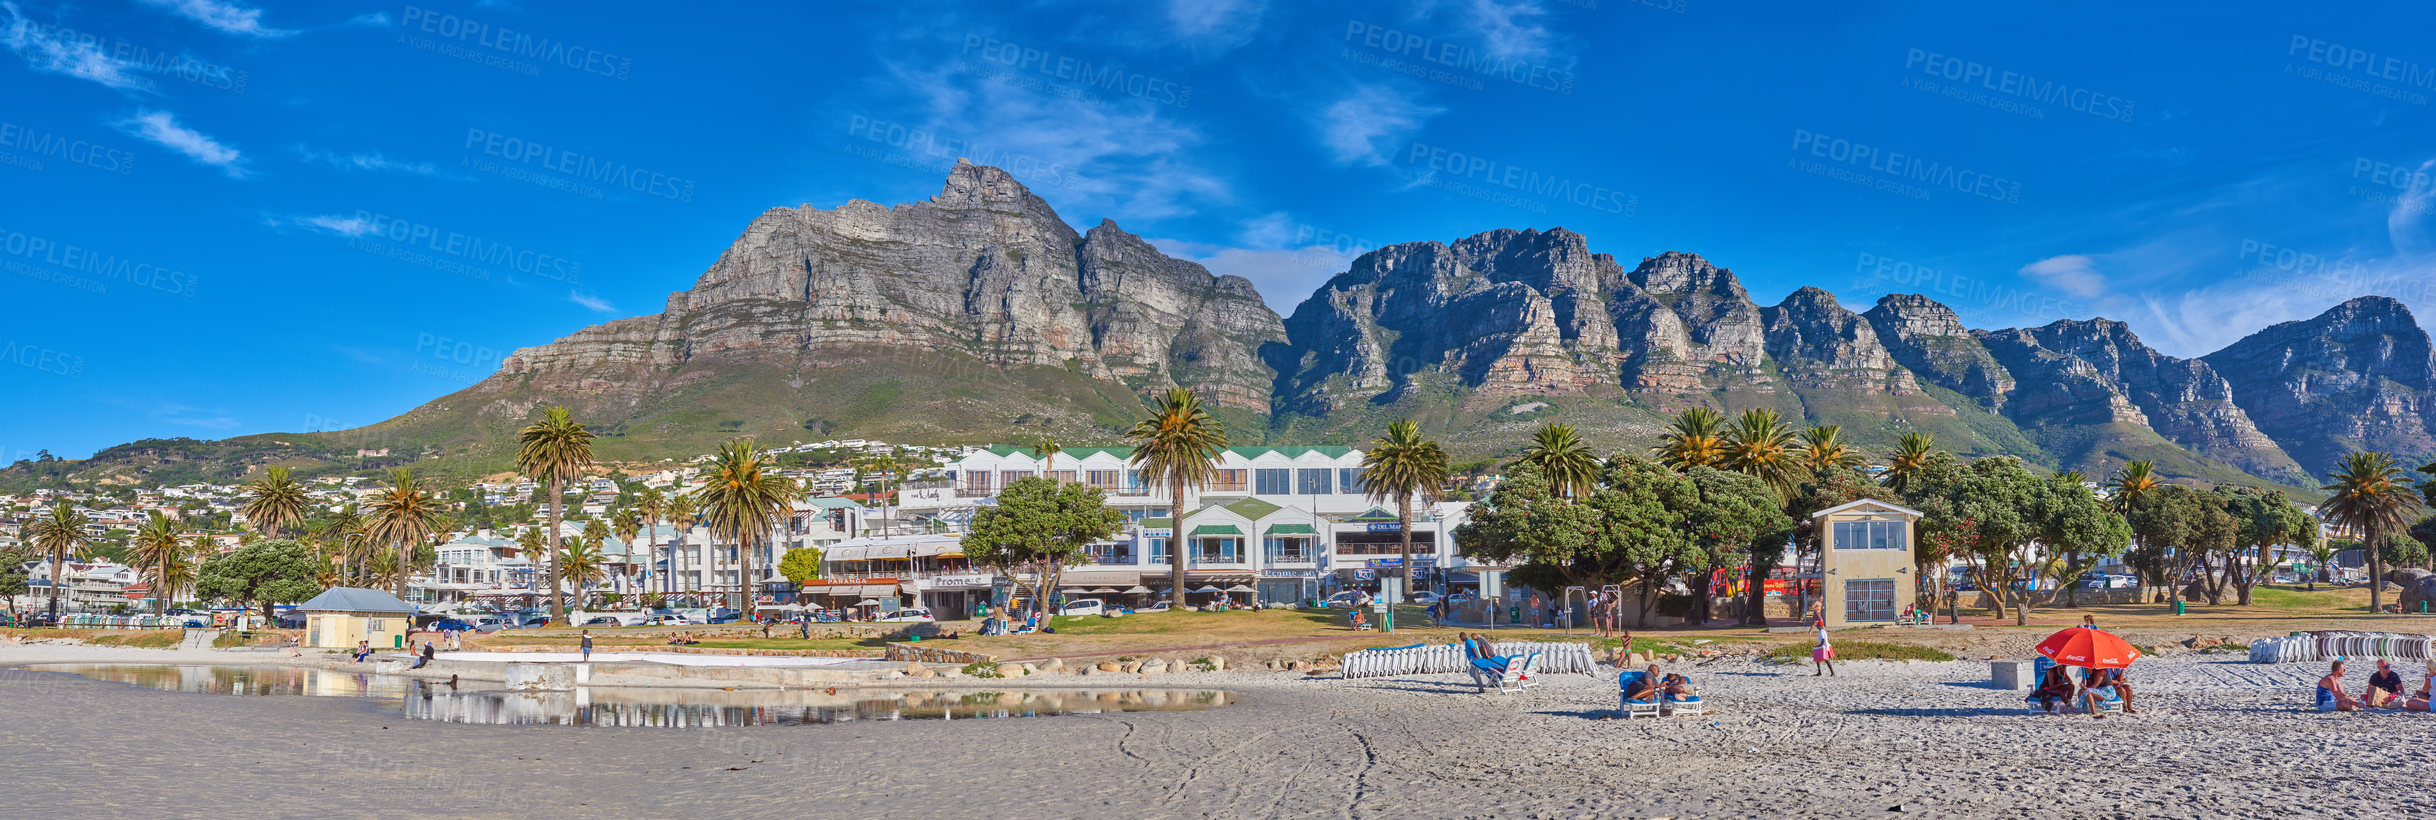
1377 514
1156 523
1292 529
1252 508
1216 529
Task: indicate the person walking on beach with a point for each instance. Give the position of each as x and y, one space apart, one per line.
295 650
587 646
1823 655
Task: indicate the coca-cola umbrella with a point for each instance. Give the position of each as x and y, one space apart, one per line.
2091 648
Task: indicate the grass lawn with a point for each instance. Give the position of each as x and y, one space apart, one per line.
151 639
1861 651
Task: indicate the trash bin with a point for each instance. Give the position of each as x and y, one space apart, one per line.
2178 606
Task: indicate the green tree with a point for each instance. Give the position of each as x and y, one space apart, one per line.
2371 497
1696 438
58 535
274 502
800 564
404 514
1823 451
2076 526
276 571
741 503
684 510
1037 528
1989 518
1047 448
1737 519
1562 459
2399 550
1912 454
161 552
581 562
1404 465
2262 521
554 450
1760 445
1178 446
1525 523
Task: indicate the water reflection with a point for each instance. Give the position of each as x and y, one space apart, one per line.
634 706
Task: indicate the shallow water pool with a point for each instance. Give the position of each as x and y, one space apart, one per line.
672 707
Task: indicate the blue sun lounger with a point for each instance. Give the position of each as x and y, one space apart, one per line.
1626 707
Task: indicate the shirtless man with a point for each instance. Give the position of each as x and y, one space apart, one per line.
2331 697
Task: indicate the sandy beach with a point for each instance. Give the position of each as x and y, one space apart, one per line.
2217 737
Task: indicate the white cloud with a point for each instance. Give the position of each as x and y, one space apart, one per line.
1365 127
226 17
47 51
2076 274
163 128
374 19
591 302
366 162
1286 260
1507 31
349 226
1225 22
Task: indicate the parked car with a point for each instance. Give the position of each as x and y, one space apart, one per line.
1083 606
450 624
1347 599
725 619
605 620
488 623
906 616
669 620
1161 606
1425 597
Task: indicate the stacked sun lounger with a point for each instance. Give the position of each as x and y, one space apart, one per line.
2319 646
1431 659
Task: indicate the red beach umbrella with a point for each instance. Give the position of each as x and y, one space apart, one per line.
2096 649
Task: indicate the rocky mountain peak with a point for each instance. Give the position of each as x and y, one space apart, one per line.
1926 337
1675 272
2361 375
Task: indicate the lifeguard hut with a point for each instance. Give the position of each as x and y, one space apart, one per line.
340 616
1865 561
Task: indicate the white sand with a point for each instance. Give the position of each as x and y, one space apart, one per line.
2218 738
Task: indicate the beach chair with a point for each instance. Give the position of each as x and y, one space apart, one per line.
1358 622
1626 707
1677 706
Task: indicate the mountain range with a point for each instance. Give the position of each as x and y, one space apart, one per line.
981 315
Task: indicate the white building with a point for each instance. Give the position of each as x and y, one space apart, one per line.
1289 522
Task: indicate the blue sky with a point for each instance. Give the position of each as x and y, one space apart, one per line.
236 217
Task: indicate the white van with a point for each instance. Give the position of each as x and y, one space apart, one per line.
907 616
1083 606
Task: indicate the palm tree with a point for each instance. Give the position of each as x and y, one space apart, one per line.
555 449
2124 490
404 514
1402 465
155 547
1179 444
1561 456
1048 448
627 522
683 511
653 505
1761 445
345 530
1694 439
533 543
274 502
594 556
1823 451
58 535
2373 497
744 494
1911 457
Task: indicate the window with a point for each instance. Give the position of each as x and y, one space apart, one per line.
1870 535
1272 482
1349 481
1158 550
1215 550
976 483
1311 482
1062 476
1006 478
1869 599
1106 480
1134 485
1288 550
1228 481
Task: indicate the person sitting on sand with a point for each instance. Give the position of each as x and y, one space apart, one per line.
2384 686
363 649
2054 689
2098 687
2420 702
1675 686
1644 690
2331 697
